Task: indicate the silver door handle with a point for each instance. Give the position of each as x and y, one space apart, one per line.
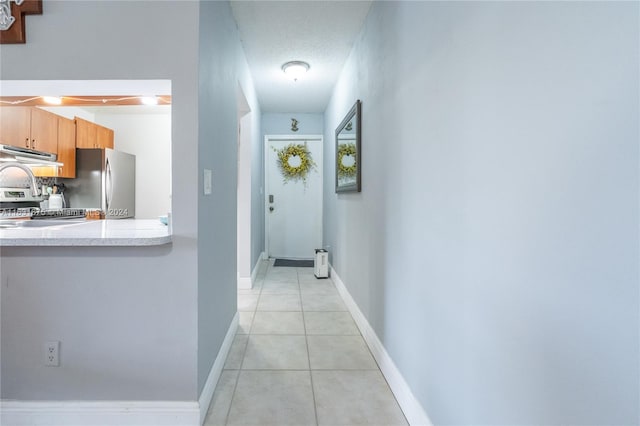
109 185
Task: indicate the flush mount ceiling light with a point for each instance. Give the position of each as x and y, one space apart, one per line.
295 69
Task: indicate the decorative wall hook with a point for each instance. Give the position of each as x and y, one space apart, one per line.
12 22
294 125
6 18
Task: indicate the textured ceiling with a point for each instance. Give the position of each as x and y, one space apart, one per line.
318 32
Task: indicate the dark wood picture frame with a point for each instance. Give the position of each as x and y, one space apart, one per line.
348 137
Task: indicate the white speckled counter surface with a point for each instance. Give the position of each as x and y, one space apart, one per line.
122 232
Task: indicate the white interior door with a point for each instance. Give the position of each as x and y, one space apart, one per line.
293 208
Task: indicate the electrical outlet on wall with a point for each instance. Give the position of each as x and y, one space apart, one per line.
52 354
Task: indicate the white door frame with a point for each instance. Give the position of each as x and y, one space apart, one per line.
267 139
243 187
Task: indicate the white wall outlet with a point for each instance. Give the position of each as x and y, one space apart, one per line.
52 354
207 182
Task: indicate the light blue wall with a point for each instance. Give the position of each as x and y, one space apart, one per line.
494 246
222 68
280 124
110 307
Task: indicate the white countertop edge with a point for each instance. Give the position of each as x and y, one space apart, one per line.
85 242
98 233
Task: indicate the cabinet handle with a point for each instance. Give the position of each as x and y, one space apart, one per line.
33 143
26 142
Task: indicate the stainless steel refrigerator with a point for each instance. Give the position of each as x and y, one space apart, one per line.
105 179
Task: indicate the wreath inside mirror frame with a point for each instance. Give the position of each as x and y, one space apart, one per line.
295 162
347 150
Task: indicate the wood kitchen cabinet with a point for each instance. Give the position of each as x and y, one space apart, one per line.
67 148
85 133
104 137
92 135
15 126
29 127
66 152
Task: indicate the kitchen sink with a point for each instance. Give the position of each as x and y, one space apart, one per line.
14 224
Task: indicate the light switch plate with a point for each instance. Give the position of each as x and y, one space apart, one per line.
207 182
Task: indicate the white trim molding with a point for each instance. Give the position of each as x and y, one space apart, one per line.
411 407
120 413
99 413
256 268
216 369
245 283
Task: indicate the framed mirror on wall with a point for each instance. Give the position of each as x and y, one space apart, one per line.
348 150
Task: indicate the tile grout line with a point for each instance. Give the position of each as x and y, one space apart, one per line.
235 386
306 341
233 394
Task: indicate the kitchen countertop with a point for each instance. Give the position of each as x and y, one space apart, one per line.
120 232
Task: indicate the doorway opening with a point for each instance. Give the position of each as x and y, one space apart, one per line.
244 192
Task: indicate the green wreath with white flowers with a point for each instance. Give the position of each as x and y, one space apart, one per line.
289 156
347 150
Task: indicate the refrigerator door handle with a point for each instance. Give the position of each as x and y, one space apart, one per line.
109 185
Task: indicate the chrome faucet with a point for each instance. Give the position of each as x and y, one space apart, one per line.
34 185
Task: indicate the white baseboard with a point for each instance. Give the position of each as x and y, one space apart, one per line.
120 413
99 413
244 283
410 406
256 268
216 369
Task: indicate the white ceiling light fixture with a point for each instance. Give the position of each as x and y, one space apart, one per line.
295 69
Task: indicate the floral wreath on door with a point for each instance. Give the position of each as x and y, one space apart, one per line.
295 162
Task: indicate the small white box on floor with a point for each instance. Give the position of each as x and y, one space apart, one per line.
321 264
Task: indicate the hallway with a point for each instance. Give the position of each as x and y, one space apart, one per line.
299 359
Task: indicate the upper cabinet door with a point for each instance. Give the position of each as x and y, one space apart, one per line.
15 126
85 134
29 127
66 152
104 137
67 148
44 131
92 135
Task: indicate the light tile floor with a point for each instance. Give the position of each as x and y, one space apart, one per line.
299 359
